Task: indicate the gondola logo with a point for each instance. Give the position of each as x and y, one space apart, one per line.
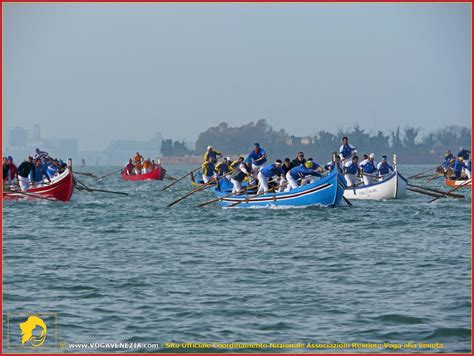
27 328
32 331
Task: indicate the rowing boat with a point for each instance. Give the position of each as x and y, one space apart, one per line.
60 188
456 182
327 191
156 174
391 187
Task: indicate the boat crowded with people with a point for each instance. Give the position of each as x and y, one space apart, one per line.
326 192
140 169
59 187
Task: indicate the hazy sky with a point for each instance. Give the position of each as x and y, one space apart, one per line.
100 72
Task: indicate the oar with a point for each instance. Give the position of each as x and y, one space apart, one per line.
425 176
436 195
231 194
86 174
198 189
177 180
347 201
437 175
419 174
256 195
105 191
30 195
452 190
169 177
100 178
83 186
458 196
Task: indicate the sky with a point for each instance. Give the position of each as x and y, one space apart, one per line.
101 72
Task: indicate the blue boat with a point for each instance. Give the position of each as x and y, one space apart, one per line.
327 191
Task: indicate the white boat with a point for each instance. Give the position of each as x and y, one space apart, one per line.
391 187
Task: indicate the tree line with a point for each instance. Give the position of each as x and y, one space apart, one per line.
406 142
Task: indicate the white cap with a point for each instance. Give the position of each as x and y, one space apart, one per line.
372 155
209 147
227 159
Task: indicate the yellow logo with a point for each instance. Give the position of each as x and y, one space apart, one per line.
27 328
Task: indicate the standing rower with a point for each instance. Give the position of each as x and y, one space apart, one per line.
258 157
346 151
37 174
211 153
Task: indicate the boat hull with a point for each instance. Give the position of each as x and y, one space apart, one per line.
455 183
156 174
392 187
327 191
60 188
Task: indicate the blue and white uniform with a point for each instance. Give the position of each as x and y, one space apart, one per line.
458 168
351 169
265 174
330 166
256 159
346 152
368 169
467 168
296 173
52 170
37 174
383 169
311 179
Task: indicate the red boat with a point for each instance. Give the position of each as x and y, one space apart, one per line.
60 188
457 182
157 174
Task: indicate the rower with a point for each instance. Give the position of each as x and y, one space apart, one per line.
129 168
383 168
258 157
350 170
24 170
238 175
331 164
208 169
448 160
223 167
146 166
268 172
346 151
12 170
6 169
299 172
138 158
365 158
138 167
38 173
236 163
464 153
286 166
211 153
458 167
467 168
299 160
311 179
369 169
53 168
40 154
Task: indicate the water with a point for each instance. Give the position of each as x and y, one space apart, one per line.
126 269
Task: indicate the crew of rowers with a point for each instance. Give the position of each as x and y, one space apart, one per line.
139 165
290 174
33 172
458 167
